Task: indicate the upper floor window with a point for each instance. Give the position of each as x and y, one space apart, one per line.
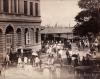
25 7
31 8
15 10
36 9
5 5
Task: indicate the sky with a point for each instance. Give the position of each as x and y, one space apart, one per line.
60 12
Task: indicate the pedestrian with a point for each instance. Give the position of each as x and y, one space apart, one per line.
40 63
83 61
37 61
67 52
19 61
69 60
29 60
34 54
76 62
7 60
52 59
25 60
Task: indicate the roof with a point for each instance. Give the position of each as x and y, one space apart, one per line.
51 30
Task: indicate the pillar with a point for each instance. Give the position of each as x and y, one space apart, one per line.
12 6
23 37
9 6
33 8
39 37
17 6
4 43
38 9
14 41
1 6
34 36
28 7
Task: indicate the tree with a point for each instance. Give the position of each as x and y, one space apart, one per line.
89 4
88 19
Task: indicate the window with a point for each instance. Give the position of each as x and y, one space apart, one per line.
5 6
36 9
9 38
18 6
15 10
25 7
31 8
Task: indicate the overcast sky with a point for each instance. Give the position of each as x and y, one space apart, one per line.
61 12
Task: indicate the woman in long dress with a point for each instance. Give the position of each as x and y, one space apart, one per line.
25 60
37 61
19 61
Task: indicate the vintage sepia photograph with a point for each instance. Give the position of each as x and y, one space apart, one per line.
49 39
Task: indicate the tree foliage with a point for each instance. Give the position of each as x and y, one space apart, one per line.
88 19
89 4
88 26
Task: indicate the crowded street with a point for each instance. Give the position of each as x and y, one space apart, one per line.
50 65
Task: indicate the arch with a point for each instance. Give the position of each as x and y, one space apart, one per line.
9 39
18 30
32 29
1 31
26 30
9 30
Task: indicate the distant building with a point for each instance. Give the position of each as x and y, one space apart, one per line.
19 25
57 33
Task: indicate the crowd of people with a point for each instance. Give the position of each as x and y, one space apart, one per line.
58 53
55 55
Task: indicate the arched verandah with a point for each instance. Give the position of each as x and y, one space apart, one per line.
9 33
18 37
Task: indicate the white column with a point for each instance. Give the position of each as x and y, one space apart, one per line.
28 7
23 37
33 8
12 8
38 9
17 7
14 41
1 6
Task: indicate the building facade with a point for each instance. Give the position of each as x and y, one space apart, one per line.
19 25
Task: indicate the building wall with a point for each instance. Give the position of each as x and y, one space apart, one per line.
18 30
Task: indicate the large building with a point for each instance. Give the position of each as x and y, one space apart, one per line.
19 25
